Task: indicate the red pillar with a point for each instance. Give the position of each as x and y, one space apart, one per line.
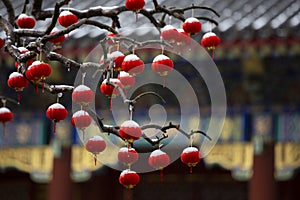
262 185
60 186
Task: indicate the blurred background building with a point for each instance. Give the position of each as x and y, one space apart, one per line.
257 155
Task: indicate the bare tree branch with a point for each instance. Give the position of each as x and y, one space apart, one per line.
10 11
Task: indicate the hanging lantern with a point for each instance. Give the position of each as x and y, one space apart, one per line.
118 58
210 41
127 155
129 178
109 90
191 25
162 65
38 71
82 95
182 38
169 33
130 131
81 119
159 160
59 39
23 50
191 156
56 112
95 145
1 43
17 81
25 21
66 18
5 116
126 79
135 5
132 64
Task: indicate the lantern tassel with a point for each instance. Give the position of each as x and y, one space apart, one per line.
136 17
191 169
213 54
95 159
83 133
110 106
43 87
54 127
19 97
164 81
36 89
128 193
161 175
4 126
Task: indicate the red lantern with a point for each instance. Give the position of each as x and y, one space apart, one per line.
132 64
169 33
1 43
111 42
109 90
56 112
23 50
81 119
126 79
191 156
182 38
95 145
5 116
118 58
130 131
17 82
159 160
192 25
162 65
66 18
128 155
82 95
38 71
135 5
25 21
59 39
210 40
129 179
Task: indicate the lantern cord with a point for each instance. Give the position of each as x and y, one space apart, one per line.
212 54
43 86
110 102
128 193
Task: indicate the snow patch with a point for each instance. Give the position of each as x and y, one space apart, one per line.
15 74
96 138
191 20
160 58
65 13
4 110
209 34
81 88
131 57
130 123
168 27
157 152
57 106
190 149
127 171
80 113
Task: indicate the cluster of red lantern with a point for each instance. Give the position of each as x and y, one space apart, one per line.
82 95
25 21
95 145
